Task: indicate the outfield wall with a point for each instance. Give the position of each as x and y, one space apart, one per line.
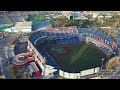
79 75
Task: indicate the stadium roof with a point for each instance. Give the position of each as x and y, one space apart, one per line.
23 24
40 25
39 39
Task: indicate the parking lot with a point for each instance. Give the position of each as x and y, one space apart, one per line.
7 39
5 69
20 48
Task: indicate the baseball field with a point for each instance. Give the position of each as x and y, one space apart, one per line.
76 57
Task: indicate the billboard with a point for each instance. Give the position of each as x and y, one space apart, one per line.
82 73
66 75
61 73
78 75
96 70
96 77
89 71
72 75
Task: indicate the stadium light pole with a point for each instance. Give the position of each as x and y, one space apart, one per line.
73 69
102 63
1 65
44 65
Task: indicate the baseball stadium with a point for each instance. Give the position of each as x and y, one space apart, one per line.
74 52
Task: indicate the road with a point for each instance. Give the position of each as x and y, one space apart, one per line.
20 48
115 75
4 66
7 39
5 69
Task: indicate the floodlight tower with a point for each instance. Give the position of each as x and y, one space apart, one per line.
1 65
102 63
44 65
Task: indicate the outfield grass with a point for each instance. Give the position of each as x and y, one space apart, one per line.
82 57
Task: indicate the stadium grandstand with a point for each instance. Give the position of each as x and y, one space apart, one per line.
42 40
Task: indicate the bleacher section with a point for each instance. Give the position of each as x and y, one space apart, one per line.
105 48
71 36
97 34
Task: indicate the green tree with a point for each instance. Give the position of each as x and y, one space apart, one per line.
89 16
52 25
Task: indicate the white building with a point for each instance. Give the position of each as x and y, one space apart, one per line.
8 30
106 27
95 15
21 27
66 13
79 15
74 15
49 70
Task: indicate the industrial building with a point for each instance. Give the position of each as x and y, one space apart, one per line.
24 27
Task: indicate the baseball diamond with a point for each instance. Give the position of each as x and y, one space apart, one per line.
77 57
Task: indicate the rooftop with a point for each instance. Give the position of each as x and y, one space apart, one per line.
3 28
23 24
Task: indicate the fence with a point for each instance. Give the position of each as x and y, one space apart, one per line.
78 75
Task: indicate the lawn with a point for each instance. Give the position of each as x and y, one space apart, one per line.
82 57
35 18
3 28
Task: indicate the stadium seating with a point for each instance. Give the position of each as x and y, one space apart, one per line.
49 59
99 33
100 39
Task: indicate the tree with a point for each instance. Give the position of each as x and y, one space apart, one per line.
52 25
27 76
89 16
